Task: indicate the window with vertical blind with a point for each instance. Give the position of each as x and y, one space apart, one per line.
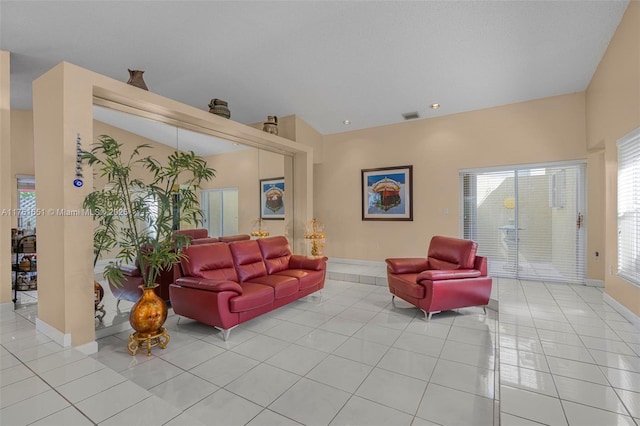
528 220
629 207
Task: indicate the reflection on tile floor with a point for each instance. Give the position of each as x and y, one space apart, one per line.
348 357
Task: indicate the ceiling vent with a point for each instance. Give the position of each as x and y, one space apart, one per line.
411 115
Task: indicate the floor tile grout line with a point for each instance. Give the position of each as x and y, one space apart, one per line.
35 374
563 309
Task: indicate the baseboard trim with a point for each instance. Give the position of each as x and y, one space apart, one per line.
113 329
356 261
621 309
594 283
88 348
494 305
53 333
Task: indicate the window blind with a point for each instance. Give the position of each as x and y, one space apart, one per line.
629 207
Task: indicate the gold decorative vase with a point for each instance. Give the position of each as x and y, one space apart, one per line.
146 318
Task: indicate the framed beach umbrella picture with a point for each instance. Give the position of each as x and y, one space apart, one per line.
272 195
387 193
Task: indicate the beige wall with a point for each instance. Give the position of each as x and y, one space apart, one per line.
613 110
5 177
550 129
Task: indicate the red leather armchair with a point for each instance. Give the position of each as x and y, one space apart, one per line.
450 277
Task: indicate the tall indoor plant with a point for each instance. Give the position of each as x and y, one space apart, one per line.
136 217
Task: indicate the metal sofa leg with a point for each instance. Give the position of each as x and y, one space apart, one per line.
226 332
393 300
118 303
484 308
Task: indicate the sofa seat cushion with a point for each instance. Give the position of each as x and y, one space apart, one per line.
283 286
306 279
406 284
253 296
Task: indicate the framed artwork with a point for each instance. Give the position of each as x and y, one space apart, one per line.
272 198
387 193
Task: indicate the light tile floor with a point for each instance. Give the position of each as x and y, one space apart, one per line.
349 357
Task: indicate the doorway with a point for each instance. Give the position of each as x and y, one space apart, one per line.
220 211
528 220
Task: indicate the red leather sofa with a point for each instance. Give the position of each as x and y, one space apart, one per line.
450 277
226 284
129 287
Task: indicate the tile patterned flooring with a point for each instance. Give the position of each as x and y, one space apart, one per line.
557 355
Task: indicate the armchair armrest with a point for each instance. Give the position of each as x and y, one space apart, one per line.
210 285
447 274
311 263
407 265
130 271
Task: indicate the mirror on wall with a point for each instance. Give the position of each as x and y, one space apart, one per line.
230 202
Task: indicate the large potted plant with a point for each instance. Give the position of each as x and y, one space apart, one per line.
135 218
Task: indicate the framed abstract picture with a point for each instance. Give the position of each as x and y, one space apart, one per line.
387 193
272 198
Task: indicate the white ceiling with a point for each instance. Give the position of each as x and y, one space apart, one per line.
368 62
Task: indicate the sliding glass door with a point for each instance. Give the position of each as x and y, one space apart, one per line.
220 211
529 221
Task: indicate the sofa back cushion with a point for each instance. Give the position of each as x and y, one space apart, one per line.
247 259
451 253
276 253
210 261
194 233
232 238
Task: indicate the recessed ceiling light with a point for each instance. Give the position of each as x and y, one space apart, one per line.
347 122
435 106
236 144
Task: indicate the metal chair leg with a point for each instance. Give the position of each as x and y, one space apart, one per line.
428 315
484 308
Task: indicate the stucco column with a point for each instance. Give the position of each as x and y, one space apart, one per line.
62 109
5 178
301 169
